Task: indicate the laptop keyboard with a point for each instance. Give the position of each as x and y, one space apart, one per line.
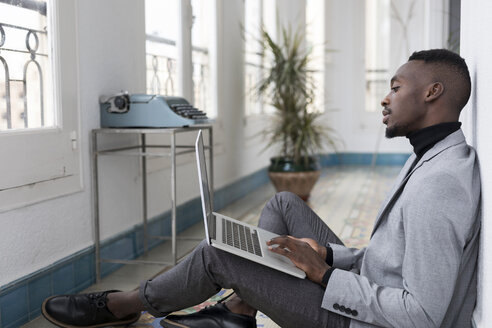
239 236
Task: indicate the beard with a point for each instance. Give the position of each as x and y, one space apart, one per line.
390 132
395 131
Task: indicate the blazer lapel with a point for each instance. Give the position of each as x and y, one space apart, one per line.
451 140
399 183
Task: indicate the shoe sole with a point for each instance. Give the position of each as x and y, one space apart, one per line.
64 325
166 323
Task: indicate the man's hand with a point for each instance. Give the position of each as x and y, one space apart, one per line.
321 250
303 254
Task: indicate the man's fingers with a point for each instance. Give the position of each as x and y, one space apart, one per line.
280 250
282 241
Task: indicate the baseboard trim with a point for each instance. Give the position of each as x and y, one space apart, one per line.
20 300
396 159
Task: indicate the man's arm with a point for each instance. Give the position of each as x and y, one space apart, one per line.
335 255
436 222
302 257
434 241
347 258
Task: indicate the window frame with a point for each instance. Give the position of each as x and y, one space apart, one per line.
44 163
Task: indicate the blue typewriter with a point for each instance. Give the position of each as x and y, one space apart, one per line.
148 111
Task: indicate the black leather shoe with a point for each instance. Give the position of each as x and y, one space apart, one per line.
84 310
217 316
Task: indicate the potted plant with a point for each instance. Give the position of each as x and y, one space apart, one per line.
288 86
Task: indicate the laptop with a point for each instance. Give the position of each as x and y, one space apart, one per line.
234 236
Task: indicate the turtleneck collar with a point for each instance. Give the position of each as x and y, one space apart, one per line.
424 139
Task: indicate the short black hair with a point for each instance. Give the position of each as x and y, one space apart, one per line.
453 64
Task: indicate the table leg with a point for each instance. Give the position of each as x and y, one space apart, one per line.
144 193
211 162
173 196
95 204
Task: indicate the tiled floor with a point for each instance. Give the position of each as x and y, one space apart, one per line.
347 198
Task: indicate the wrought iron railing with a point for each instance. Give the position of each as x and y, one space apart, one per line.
201 78
376 88
161 69
161 80
162 72
19 58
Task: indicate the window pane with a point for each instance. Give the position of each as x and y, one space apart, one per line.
200 38
270 16
161 27
253 71
25 68
377 52
315 43
269 22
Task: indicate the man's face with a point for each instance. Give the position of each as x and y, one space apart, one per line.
404 109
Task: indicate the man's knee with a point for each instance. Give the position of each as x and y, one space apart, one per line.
204 250
208 252
280 203
283 199
204 247
287 196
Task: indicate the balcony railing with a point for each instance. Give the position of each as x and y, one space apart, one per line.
162 75
22 89
201 79
376 88
161 69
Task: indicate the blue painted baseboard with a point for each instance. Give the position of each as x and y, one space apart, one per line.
397 159
20 300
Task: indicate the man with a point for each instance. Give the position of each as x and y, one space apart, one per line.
419 269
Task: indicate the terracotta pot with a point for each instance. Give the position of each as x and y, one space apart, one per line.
299 183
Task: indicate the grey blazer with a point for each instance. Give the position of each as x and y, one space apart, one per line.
419 269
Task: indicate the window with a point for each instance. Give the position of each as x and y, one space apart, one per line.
258 15
25 88
200 38
253 19
38 103
377 52
161 25
315 43
177 31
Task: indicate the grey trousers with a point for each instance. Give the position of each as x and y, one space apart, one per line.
289 301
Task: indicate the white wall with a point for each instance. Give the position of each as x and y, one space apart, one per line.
476 48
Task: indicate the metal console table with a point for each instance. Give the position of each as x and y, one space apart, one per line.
142 151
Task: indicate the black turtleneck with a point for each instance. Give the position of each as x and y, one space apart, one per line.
424 139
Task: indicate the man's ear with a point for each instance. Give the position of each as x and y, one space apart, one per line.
434 91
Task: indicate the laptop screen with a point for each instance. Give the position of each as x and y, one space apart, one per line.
204 187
